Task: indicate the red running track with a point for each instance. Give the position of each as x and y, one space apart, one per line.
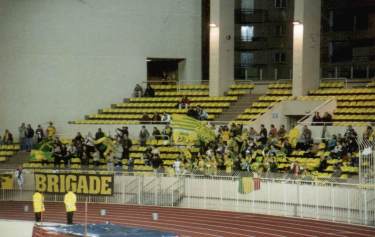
190 222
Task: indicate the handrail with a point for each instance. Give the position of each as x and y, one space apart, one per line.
314 110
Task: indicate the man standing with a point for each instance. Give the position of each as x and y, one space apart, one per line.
38 204
19 177
70 200
29 134
22 133
143 136
51 131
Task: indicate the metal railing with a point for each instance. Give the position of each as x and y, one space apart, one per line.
337 202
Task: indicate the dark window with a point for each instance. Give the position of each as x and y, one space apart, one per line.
342 51
279 57
280 30
280 3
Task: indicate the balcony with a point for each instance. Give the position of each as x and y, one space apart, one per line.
251 16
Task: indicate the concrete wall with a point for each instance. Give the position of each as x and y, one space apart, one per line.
61 60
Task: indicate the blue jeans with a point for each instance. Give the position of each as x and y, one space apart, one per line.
28 144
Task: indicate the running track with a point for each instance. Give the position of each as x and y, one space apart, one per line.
191 222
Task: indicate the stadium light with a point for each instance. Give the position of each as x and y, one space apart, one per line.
213 25
297 22
103 212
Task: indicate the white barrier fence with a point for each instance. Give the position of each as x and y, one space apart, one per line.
349 203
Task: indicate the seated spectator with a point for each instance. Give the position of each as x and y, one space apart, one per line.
252 133
156 134
332 142
184 103
192 112
7 137
317 120
156 118
166 118
202 114
323 164
286 147
305 140
149 92
145 118
295 169
138 91
327 119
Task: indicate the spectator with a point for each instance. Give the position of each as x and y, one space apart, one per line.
89 146
99 134
327 119
165 118
22 132
7 137
39 134
126 145
29 136
130 165
123 131
317 120
145 118
156 118
192 112
156 134
184 103
167 132
368 134
57 153
262 134
19 177
323 164
138 91
295 168
202 114
156 163
143 136
176 166
149 92
282 131
51 131
273 131
305 140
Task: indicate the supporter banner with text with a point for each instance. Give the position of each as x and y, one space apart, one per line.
87 184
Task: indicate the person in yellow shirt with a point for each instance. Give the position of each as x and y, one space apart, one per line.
70 200
38 205
51 131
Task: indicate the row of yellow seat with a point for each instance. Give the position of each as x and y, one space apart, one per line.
237 92
343 91
354 104
280 86
255 111
274 98
332 84
280 92
7 153
14 147
178 99
182 93
242 86
355 111
347 97
172 105
353 118
151 111
126 116
180 87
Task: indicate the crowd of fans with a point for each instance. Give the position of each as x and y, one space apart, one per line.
235 148
28 136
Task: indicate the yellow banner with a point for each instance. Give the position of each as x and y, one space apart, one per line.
6 181
88 184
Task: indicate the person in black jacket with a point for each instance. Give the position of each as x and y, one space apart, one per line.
29 136
149 92
126 145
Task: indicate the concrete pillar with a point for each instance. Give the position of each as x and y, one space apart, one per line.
221 46
306 46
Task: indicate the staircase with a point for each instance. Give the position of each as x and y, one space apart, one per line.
16 160
236 108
